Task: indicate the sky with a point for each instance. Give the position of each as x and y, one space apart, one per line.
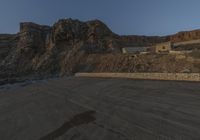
124 17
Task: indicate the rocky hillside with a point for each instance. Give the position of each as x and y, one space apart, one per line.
7 42
40 49
70 46
185 36
45 50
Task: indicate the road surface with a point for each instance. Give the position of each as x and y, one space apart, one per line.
74 108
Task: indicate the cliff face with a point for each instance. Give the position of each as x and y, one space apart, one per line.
38 49
185 36
137 41
64 47
151 40
7 42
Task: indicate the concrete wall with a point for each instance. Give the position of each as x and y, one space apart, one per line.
180 52
150 76
163 47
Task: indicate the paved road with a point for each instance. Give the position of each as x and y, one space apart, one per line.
100 109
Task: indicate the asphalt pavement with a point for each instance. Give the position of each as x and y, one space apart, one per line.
73 108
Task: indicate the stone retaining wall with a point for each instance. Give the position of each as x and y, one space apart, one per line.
150 76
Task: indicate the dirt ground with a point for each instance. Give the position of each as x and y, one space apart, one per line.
100 109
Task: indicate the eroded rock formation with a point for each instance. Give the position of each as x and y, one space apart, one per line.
185 36
38 49
63 48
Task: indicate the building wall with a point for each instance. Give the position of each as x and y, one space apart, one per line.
163 47
148 76
124 50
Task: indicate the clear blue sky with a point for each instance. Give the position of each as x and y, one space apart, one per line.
142 17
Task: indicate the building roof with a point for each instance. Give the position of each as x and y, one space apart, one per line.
134 49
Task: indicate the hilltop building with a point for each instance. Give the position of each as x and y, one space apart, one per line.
165 47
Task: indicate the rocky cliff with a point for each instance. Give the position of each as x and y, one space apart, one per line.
44 50
185 36
7 42
66 47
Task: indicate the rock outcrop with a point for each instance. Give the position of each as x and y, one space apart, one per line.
7 42
66 47
185 36
44 50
